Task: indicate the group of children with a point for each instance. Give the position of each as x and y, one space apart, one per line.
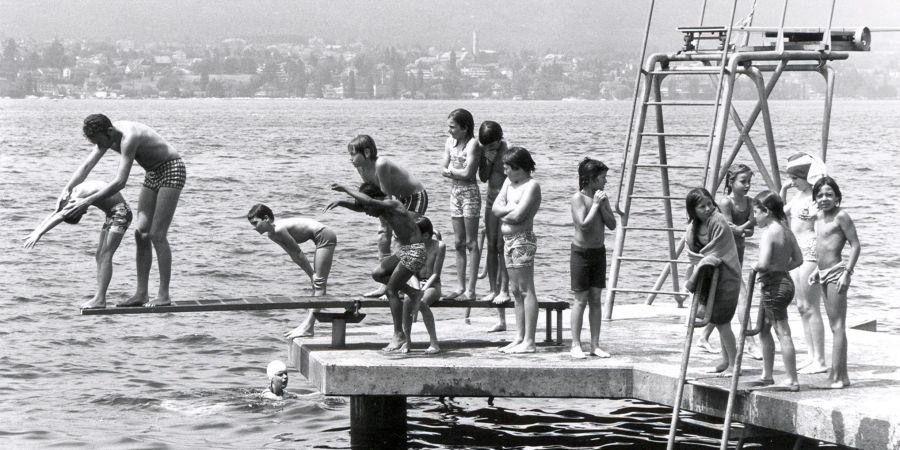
800 246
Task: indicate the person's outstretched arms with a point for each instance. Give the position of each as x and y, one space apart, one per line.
283 238
46 225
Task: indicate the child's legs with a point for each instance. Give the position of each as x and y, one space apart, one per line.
322 264
808 304
399 278
530 303
473 253
166 202
459 243
729 348
517 292
109 243
385 269
576 315
768 349
836 308
384 238
788 355
430 296
595 314
492 235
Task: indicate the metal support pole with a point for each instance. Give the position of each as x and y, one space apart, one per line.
827 72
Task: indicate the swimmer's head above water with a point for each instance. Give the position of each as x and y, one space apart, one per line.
278 377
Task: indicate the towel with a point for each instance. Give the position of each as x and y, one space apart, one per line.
720 251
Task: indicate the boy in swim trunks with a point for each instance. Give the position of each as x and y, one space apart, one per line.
163 182
834 229
118 217
393 180
289 234
778 254
490 170
516 205
395 270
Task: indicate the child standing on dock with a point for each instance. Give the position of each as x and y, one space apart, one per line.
289 234
591 213
460 163
395 270
778 254
710 243
737 208
834 229
490 170
430 273
393 180
516 205
118 217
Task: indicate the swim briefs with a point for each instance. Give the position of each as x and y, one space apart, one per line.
829 275
777 292
417 202
412 256
324 237
587 267
170 174
118 219
465 200
519 249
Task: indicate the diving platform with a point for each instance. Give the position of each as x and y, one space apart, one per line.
646 345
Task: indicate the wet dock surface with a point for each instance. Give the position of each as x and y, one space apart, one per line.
646 344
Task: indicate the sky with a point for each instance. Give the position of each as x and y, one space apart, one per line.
595 26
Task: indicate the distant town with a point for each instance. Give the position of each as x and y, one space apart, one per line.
314 68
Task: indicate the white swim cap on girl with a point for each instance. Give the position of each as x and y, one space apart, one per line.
275 367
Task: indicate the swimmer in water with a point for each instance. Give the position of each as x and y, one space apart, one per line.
278 380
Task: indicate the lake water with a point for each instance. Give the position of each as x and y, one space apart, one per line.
190 380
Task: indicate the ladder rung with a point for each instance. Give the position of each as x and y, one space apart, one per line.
695 135
653 228
669 166
624 258
648 291
658 197
703 71
684 103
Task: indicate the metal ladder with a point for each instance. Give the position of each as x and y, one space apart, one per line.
705 293
648 94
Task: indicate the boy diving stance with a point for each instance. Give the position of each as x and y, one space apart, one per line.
395 270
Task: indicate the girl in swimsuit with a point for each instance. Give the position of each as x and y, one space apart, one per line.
737 208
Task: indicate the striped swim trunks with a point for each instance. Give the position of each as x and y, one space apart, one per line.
170 174
417 202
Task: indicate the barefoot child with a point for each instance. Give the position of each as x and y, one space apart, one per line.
118 217
395 270
590 213
435 250
737 209
516 205
834 229
393 180
460 164
710 243
490 170
778 254
289 234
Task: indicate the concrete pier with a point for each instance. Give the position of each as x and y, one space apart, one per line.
646 344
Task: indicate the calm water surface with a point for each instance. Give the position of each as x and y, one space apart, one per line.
191 380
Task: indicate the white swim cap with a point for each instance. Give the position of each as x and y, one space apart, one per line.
275 367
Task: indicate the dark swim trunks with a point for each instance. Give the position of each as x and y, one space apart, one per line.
170 174
587 267
417 202
777 292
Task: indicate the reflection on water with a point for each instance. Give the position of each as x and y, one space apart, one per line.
190 380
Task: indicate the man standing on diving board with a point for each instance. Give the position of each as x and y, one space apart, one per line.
163 182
